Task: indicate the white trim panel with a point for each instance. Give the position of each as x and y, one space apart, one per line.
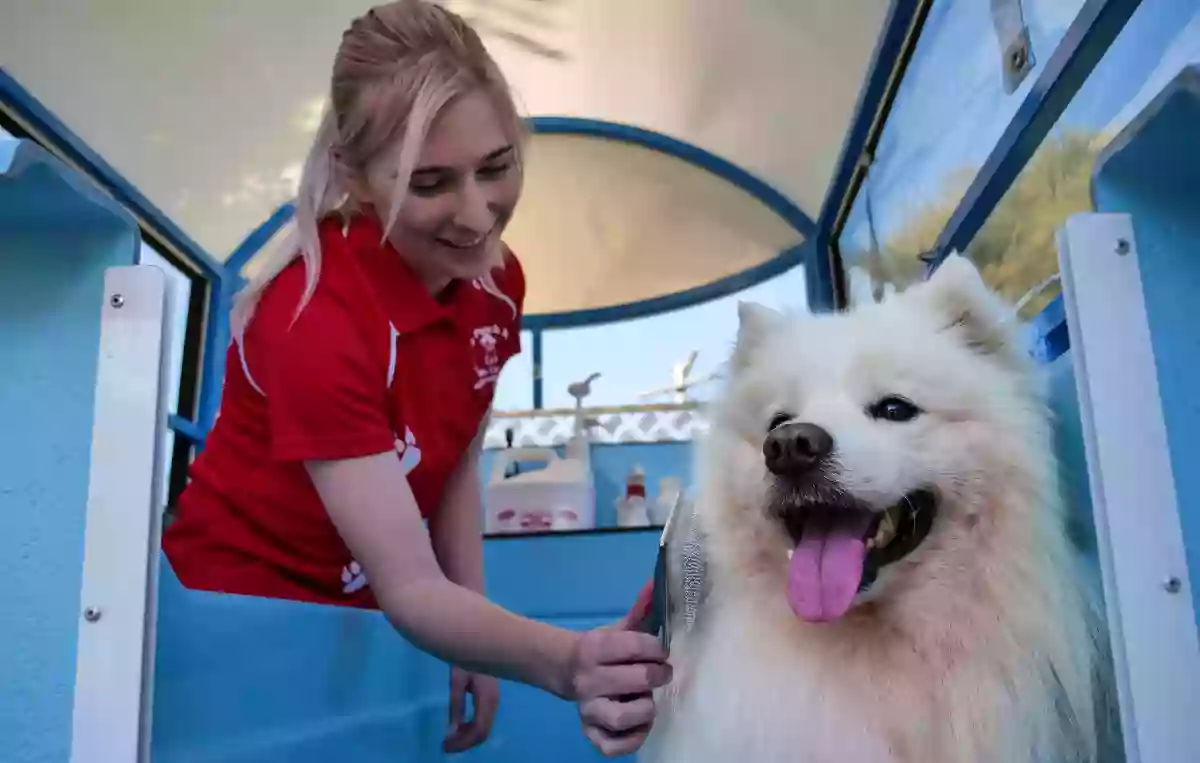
115 655
1155 649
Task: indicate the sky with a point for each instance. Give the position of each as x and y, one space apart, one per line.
949 114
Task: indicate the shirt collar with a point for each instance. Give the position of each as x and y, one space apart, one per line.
408 303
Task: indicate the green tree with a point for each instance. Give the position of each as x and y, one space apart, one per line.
1016 249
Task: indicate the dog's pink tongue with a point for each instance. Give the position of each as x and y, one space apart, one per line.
827 566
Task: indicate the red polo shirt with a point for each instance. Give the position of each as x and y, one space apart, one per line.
372 363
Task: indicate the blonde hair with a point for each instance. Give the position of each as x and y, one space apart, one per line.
396 69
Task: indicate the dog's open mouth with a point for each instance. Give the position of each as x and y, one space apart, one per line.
841 548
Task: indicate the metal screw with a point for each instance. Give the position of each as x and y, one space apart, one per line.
1172 585
91 614
117 301
1123 247
1017 58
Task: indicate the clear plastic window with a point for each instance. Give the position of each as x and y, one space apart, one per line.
637 359
951 110
1016 248
514 390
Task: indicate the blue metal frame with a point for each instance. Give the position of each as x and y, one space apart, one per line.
537 368
1049 331
217 331
216 343
786 260
874 97
51 131
260 236
186 429
722 168
726 170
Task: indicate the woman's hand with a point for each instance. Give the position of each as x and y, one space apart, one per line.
373 508
485 695
614 672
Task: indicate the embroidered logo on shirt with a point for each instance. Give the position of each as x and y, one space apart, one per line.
485 340
353 578
409 451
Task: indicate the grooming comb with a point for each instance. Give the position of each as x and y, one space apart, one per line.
679 575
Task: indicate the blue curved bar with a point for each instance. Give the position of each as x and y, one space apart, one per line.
698 295
706 160
726 170
260 237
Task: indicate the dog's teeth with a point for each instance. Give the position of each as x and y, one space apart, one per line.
885 534
790 552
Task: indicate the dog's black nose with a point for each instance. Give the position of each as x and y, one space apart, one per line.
796 448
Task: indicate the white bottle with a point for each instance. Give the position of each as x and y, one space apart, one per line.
669 492
632 510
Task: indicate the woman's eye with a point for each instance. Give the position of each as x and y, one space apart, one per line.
494 172
893 408
426 187
778 420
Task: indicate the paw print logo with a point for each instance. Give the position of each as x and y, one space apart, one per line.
353 578
409 451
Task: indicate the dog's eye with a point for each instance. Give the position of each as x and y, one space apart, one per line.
895 409
778 420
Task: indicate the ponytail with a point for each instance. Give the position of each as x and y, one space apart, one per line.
321 192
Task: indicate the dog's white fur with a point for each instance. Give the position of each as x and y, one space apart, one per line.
979 647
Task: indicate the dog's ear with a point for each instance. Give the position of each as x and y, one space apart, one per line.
958 296
755 321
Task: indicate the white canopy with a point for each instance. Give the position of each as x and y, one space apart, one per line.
208 109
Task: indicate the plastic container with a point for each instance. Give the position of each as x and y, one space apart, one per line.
669 492
558 496
632 510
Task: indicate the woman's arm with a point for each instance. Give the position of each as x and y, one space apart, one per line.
458 546
372 506
456 529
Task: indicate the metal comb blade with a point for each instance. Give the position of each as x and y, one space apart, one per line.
680 575
694 570
688 568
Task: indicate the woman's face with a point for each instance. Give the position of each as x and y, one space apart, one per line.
463 189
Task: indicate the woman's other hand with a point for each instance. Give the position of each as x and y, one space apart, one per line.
485 698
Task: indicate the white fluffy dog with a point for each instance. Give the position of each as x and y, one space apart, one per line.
891 578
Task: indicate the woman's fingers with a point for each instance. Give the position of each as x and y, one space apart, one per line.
618 717
620 680
459 680
612 647
614 745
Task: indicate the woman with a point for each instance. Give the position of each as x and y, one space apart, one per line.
361 374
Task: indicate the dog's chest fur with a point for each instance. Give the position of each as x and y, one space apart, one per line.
813 705
774 708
